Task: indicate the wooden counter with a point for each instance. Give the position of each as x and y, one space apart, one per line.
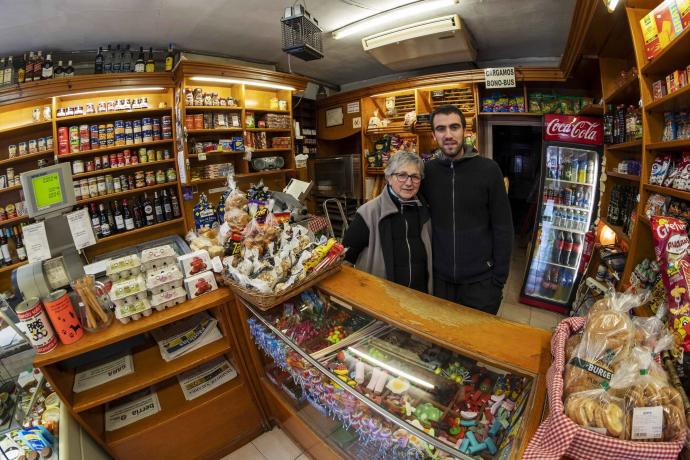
469 332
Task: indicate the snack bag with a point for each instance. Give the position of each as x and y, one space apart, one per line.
204 213
672 172
656 205
660 169
607 340
597 410
681 180
671 247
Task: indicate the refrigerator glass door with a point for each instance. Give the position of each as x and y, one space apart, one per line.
568 197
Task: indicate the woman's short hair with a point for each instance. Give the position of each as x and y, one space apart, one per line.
402 158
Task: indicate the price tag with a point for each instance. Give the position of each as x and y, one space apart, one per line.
202 156
647 422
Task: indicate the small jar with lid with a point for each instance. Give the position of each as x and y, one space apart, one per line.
143 158
139 179
117 186
123 183
166 154
11 211
102 190
151 155
84 185
77 190
159 155
171 175
77 166
160 176
150 178
93 187
130 181
109 187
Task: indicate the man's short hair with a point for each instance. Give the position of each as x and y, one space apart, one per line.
447 110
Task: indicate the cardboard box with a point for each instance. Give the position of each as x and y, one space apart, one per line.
200 284
660 26
684 11
659 89
195 262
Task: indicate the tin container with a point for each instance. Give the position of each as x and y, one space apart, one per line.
130 181
127 157
120 159
113 160
138 139
147 135
41 144
23 147
166 120
102 190
12 150
84 185
105 161
63 317
33 146
77 166
146 124
119 126
150 178
110 130
41 335
129 139
142 155
120 139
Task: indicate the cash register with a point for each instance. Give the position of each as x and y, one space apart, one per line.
49 196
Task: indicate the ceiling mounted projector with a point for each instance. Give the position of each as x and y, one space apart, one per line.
437 41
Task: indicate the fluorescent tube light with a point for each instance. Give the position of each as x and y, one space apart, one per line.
115 90
389 16
390 368
236 81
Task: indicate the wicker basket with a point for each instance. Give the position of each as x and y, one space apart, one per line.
267 301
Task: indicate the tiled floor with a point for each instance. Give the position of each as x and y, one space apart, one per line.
272 445
511 308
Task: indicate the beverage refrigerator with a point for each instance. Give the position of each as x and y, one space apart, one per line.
569 180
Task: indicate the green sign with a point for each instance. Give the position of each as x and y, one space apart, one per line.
47 191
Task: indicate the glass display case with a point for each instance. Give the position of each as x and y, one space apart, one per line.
384 392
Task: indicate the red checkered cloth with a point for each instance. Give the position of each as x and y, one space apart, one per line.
317 223
559 437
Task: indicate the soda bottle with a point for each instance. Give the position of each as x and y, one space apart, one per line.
567 249
574 168
558 247
553 281
575 251
590 172
546 283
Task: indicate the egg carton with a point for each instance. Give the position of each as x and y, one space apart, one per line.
158 257
123 267
131 287
169 277
169 298
133 311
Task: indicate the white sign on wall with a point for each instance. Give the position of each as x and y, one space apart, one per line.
499 77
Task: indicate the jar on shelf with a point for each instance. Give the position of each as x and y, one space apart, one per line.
150 178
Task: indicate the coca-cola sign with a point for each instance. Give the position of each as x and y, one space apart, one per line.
567 128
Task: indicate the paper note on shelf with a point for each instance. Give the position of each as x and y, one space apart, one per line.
204 378
131 409
36 242
80 227
103 373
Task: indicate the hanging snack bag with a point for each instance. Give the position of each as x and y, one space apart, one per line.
671 247
204 214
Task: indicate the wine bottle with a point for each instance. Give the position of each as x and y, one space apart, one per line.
98 64
38 67
127 215
105 223
5 248
150 64
69 70
148 211
108 60
158 209
119 219
169 59
47 72
19 243
139 66
95 220
175 204
138 214
59 71
167 205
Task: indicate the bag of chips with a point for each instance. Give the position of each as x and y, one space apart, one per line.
656 205
660 169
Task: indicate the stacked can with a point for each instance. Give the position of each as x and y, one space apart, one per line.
136 131
40 332
119 132
166 127
109 134
156 129
147 129
63 140
95 140
73 139
129 133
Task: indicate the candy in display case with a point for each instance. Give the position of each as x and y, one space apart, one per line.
399 395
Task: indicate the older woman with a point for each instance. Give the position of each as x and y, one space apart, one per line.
390 236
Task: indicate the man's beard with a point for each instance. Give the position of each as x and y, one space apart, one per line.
454 152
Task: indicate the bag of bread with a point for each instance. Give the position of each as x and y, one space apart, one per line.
598 411
607 339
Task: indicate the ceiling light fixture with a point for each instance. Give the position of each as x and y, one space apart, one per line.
392 369
235 81
386 17
116 90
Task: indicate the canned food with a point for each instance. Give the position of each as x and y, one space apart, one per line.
41 144
127 157
150 178
64 318
119 126
109 183
142 155
128 126
23 147
109 142
97 162
147 135
171 175
116 184
151 155
119 139
13 150
159 155
105 162
139 180
166 120
138 139
136 124
77 190
49 142
41 334
77 167
93 187
84 185
166 133
156 122
33 146
110 131
130 181
124 183
102 190
129 139
88 166
11 211
113 160
3 214
120 159
146 124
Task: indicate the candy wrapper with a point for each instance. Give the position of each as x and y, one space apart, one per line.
671 248
204 214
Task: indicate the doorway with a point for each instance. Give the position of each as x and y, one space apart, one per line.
516 147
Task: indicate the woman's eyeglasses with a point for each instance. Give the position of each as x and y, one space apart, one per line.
402 177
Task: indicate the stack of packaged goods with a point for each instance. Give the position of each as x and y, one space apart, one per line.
198 277
163 277
128 291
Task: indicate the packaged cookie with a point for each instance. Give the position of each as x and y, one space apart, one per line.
597 410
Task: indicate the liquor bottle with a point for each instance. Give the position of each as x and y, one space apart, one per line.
29 73
138 214
9 71
59 70
38 66
127 215
169 59
95 220
105 228
175 204
19 244
119 218
5 248
150 64
148 211
167 205
158 208
98 63
108 60
47 72
2 71
140 65
21 70
69 70
117 60
127 61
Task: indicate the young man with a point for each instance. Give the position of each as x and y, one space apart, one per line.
470 216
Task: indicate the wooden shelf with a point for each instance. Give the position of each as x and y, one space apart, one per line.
632 145
99 172
114 115
217 108
592 110
270 172
645 220
675 102
26 128
14 220
628 92
251 109
214 131
86 153
276 149
214 180
10 189
374 171
27 157
134 191
218 153
512 114
675 55
669 145
399 130
269 130
138 231
629 177
149 368
668 191
173 406
618 230
118 331
9 268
